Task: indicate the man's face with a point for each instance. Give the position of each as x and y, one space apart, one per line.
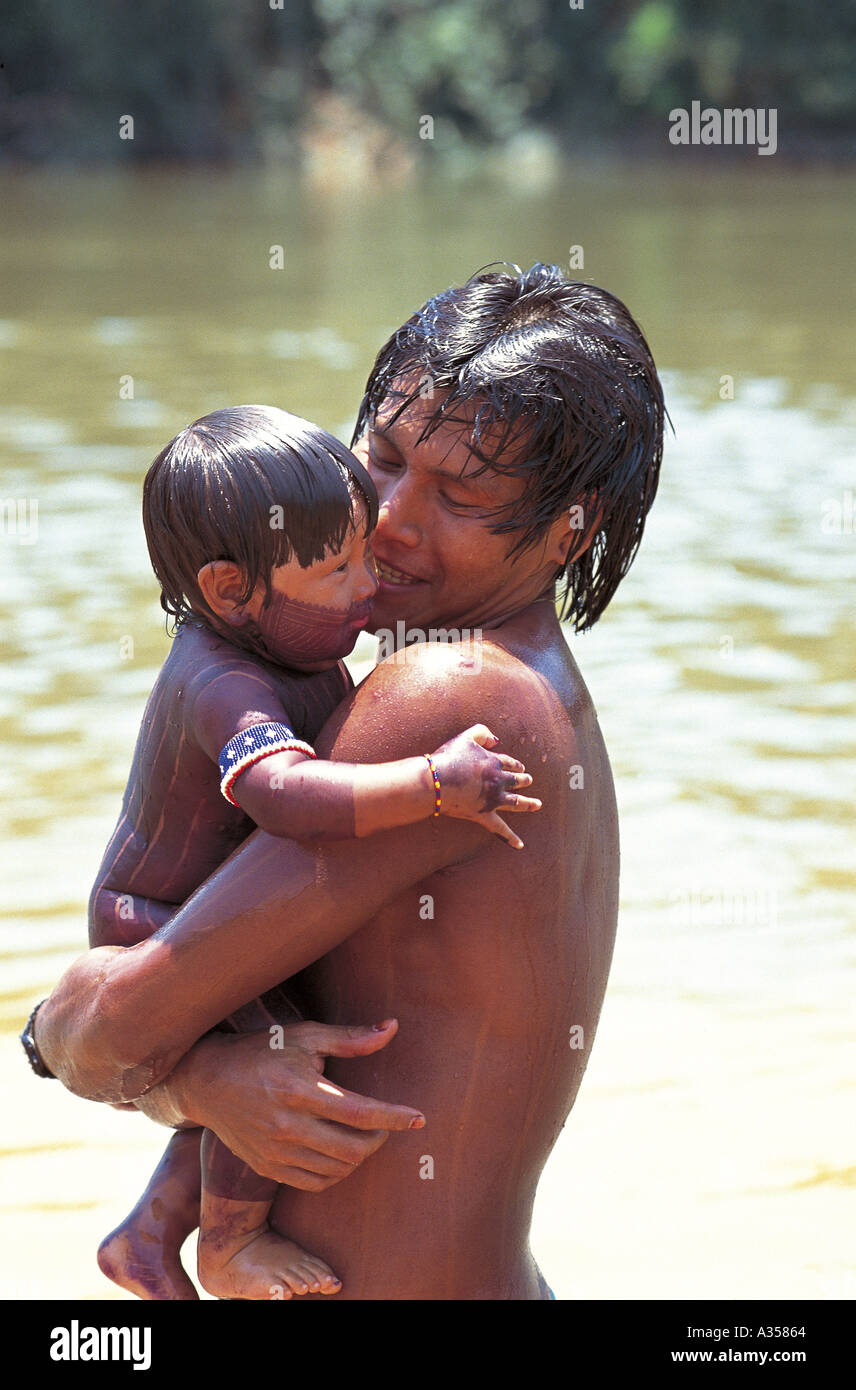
438 563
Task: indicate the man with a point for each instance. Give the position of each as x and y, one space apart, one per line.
513 428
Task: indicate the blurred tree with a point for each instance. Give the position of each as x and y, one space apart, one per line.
479 69
233 80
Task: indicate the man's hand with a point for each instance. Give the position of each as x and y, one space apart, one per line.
273 1108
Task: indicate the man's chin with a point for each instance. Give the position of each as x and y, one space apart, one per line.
388 612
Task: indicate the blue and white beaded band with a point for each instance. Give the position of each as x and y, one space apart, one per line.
255 743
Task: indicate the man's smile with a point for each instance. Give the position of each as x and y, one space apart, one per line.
390 575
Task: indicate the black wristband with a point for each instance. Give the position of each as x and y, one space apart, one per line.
28 1042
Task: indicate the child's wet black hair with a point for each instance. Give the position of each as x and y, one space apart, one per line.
254 485
559 377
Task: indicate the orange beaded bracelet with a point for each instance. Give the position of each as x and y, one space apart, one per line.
438 795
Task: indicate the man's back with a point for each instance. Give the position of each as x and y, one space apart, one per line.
495 968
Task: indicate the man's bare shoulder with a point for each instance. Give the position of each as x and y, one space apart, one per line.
422 695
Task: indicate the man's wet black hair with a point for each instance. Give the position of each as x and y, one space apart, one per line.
557 375
216 490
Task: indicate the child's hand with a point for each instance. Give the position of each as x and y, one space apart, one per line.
474 781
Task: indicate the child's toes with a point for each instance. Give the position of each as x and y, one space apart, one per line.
319 1270
279 1291
327 1281
296 1282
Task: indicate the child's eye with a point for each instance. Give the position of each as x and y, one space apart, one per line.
340 569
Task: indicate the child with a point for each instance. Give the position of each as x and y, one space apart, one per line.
258 528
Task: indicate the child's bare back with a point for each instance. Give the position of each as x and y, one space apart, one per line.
175 826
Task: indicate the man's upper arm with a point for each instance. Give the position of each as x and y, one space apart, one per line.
277 905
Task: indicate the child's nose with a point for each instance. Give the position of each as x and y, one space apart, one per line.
367 585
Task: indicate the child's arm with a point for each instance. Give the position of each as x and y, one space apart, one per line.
288 793
123 919
291 795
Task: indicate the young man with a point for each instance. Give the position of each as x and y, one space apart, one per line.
513 429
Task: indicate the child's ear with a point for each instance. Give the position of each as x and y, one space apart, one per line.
221 584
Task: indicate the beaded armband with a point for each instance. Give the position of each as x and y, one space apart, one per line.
249 747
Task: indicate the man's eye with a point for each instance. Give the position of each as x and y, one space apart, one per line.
459 506
378 462
340 569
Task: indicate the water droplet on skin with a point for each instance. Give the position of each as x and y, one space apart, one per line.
543 757
534 738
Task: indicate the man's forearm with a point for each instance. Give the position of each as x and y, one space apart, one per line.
121 1019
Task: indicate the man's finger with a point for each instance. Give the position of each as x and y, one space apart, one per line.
339 1152
318 1145
344 1145
331 1040
351 1147
330 1102
307 1182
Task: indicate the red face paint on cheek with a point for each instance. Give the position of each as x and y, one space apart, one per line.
309 632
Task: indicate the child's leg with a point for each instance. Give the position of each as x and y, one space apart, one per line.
142 1254
239 1255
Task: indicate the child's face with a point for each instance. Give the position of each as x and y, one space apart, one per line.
314 615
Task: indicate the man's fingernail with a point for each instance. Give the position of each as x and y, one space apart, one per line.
417 1123
379 1027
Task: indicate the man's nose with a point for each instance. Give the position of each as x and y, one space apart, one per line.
398 519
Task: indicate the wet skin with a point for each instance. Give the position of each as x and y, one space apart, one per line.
486 992
173 796
208 690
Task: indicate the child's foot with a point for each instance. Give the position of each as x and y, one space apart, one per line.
143 1254
141 1257
264 1267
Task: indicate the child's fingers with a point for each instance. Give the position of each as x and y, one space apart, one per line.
491 821
510 764
481 734
511 802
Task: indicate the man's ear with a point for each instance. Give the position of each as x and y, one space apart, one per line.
221 584
575 531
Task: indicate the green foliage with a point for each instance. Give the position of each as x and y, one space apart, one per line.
466 62
214 79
